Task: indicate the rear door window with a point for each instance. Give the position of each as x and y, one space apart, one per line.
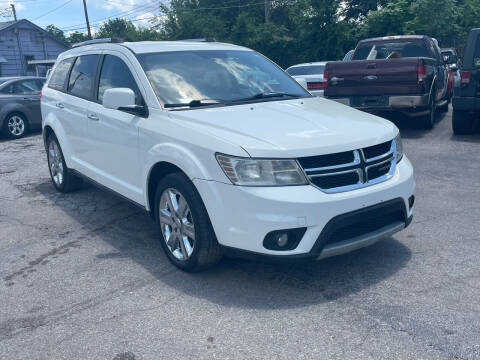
116 74
59 76
476 55
82 76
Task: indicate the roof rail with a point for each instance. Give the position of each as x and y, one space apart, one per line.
200 40
98 41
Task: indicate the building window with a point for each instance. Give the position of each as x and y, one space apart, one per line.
30 68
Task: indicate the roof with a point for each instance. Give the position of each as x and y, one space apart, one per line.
164 46
6 25
141 47
396 37
317 63
9 78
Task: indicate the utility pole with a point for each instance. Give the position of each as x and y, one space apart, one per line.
267 11
86 19
14 12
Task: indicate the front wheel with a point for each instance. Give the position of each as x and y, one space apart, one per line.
186 233
462 122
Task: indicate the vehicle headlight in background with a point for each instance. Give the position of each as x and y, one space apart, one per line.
261 172
399 146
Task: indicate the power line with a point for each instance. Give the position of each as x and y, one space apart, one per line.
120 14
54 9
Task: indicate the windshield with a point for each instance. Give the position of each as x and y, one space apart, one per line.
391 49
306 70
216 76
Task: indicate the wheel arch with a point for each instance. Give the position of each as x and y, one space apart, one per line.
47 131
157 172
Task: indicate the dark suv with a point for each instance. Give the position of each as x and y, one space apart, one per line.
466 94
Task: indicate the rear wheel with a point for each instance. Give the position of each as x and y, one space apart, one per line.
63 178
15 125
429 120
186 233
462 122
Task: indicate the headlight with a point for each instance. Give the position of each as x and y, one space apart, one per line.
399 146
261 172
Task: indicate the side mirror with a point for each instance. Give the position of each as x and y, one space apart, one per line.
122 99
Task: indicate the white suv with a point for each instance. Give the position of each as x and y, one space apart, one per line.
228 153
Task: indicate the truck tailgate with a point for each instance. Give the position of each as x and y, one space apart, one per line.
373 77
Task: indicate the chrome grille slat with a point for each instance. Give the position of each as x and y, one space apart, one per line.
369 170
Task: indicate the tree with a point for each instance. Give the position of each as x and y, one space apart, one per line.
59 34
443 26
76 37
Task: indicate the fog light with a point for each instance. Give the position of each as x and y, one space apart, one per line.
282 240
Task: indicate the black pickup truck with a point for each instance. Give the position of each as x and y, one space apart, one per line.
466 92
404 74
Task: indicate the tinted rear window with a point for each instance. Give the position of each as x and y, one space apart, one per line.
82 76
306 70
476 54
59 76
392 49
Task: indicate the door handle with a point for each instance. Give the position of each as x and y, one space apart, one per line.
93 117
59 105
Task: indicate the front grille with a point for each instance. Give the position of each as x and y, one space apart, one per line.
351 170
377 150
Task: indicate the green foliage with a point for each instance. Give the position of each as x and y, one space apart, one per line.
59 34
298 30
76 37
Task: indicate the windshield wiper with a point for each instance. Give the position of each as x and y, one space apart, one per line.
267 95
194 103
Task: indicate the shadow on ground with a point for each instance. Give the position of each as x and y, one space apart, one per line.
233 283
32 133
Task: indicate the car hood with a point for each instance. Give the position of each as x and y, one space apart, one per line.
290 128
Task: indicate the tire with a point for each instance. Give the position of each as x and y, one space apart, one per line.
15 125
462 122
444 108
63 178
429 120
191 254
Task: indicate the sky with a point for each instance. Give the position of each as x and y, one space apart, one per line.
68 15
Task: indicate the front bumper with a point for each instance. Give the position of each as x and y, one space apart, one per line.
409 104
242 216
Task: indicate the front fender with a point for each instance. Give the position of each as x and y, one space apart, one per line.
198 163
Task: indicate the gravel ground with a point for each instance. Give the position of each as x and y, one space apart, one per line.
82 276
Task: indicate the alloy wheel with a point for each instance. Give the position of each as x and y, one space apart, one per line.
16 125
176 223
55 163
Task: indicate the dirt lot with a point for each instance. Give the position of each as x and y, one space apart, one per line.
82 276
